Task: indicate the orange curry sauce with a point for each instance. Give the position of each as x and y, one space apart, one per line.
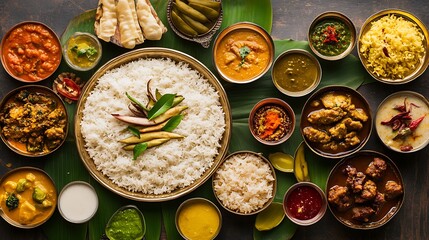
31 52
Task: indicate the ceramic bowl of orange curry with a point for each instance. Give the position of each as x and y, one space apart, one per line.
243 53
28 197
33 120
31 52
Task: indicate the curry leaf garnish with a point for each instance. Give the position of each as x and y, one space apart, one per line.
139 149
136 102
244 51
173 123
161 106
134 131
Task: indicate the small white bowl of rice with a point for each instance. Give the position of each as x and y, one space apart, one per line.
245 183
392 46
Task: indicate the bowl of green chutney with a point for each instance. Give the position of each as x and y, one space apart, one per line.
127 223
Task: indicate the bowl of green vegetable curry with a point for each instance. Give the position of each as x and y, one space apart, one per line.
332 36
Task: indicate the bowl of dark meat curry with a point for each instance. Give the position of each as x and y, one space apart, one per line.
365 190
33 121
336 122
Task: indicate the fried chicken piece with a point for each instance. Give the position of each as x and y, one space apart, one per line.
359 114
340 197
352 125
369 190
393 189
351 139
362 214
355 180
332 145
376 168
339 131
315 135
332 100
379 200
326 116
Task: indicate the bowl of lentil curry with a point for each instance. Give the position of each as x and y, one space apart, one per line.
243 52
296 72
332 36
31 52
33 120
272 121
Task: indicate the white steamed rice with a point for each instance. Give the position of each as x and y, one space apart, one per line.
175 164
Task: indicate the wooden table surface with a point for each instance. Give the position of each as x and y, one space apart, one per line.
290 20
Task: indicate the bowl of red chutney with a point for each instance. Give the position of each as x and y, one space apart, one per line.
271 121
304 203
332 36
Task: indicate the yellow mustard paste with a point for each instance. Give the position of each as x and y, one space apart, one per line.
199 220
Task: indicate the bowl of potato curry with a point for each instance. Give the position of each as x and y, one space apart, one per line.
28 197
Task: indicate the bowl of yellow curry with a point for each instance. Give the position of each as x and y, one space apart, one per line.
243 53
33 121
82 51
28 197
198 218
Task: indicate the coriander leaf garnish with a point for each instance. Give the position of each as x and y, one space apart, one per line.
244 51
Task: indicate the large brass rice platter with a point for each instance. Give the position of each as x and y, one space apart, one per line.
132 56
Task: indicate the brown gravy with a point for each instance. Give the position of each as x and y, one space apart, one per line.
361 161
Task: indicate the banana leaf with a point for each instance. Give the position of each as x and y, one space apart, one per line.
65 165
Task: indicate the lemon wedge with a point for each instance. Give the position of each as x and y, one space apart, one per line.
270 217
281 161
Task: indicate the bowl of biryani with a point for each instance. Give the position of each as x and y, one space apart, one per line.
336 122
155 174
392 46
245 183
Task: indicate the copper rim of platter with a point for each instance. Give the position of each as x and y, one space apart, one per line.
151 52
344 89
424 63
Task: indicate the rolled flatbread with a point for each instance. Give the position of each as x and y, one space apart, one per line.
106 27
149 21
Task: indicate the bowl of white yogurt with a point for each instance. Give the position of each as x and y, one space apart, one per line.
78 202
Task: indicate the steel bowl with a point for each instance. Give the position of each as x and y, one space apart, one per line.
276 71
272 102
337 16
424 60
5 213
94 43
252 28
189 202
33 89
360 161
237 211
297 187
5 51
310 107
411 141
204 38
